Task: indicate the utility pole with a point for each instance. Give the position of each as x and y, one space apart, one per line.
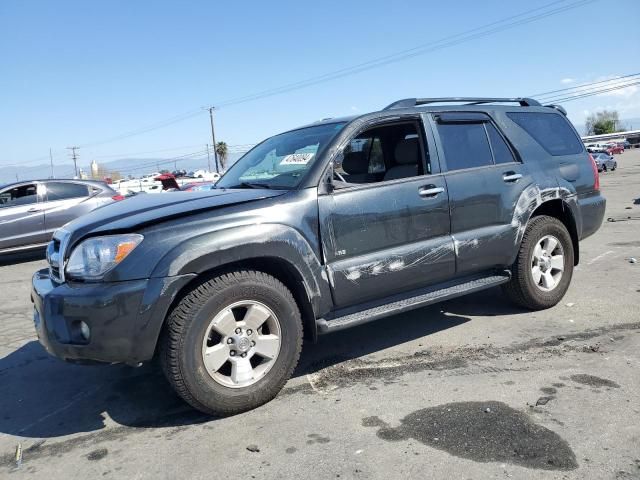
74 155
51 161
213 138
208 159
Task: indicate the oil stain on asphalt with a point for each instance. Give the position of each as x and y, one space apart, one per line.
483 432
593 381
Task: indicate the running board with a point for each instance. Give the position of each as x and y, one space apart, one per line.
403 303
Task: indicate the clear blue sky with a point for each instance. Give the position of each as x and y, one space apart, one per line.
77 72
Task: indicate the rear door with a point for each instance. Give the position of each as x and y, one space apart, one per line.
21 216
65 201
387 233
485 180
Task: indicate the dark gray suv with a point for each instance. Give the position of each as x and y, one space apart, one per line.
317 229
31 211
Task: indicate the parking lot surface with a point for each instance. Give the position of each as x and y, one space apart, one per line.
471 388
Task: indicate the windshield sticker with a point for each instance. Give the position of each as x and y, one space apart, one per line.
297 159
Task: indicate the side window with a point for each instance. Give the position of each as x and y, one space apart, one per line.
382 153
376 157
65 191
550 130
22 195
465 145
501 151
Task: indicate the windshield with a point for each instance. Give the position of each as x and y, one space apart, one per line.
280 162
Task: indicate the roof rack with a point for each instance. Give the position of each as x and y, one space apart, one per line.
414 102
558 108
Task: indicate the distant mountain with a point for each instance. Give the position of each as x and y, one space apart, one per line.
126 166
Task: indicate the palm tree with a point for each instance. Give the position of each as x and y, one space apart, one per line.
221 151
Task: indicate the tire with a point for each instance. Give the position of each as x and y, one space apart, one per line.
614 168
604 168
183 342
522 289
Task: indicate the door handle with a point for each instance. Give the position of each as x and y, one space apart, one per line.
430 191
511 176
34 209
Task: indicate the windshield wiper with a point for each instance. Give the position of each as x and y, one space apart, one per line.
254 185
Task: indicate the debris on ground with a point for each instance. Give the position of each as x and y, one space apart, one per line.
595 348
570 304
253 448
544 400
633 260
18 457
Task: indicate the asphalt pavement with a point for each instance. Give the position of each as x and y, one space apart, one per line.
472 389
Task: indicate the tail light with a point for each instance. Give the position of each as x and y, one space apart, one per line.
117 198
596 175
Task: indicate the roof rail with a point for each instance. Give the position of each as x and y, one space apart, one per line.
558 108
414 102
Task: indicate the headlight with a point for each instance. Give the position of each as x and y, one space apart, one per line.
96 256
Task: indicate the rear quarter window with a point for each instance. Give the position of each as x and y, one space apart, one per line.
550 130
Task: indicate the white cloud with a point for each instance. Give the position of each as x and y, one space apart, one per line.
567 80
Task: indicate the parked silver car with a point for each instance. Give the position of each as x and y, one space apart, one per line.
31 211
604 161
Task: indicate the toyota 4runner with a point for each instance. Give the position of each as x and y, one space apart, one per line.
317 229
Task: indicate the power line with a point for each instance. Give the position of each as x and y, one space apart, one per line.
584 85
412 52
452 40
597 92
586 88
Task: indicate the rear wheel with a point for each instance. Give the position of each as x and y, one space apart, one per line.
604 168
232 342
544 266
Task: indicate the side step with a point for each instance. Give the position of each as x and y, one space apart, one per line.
347 317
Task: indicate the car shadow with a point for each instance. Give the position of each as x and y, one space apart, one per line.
22 257
398 329
43 397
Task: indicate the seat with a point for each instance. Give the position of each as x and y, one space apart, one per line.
356 165
407 156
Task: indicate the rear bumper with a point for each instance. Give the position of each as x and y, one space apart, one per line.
592 208
124 318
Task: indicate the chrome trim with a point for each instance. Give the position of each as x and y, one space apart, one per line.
58 259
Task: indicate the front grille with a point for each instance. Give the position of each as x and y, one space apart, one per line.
55 254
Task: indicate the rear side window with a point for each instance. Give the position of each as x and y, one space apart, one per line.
65 191
501 151
550 130
465 145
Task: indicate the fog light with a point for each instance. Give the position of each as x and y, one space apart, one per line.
84 331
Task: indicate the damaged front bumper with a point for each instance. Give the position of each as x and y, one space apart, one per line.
116 322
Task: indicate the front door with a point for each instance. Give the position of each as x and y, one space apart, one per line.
485 182
385 225
21 216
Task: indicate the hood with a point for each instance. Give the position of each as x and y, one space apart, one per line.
152 208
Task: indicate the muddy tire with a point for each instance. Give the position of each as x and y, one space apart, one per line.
543 268
232 342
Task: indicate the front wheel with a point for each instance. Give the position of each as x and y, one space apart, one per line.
232 342
542 271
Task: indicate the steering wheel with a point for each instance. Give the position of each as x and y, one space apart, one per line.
339 176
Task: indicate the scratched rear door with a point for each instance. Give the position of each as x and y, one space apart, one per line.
384 238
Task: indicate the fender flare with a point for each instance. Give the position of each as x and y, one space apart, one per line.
216 249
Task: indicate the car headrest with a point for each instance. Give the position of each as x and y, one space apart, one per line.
355 163
407 152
